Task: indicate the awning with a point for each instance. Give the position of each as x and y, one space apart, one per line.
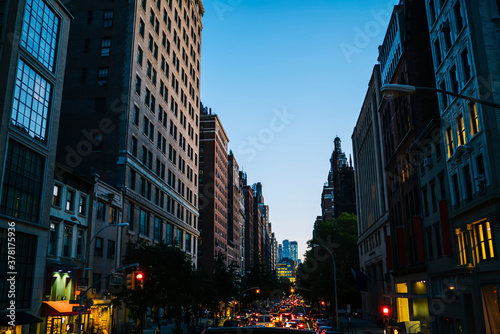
22 318
59 308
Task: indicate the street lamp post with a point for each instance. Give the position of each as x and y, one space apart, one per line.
242 292
335 286
84 268
392 91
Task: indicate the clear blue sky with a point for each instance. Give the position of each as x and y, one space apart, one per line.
286 77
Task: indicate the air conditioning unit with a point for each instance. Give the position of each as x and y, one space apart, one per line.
427 161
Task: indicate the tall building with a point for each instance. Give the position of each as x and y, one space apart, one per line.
249 234
286 249
464 41
294 251
213 201
371 200
33 52
236 214
338 192
138 66
405 58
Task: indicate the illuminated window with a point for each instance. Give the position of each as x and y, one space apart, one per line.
403 309
461 130
474 122
449 140
401 287
482 241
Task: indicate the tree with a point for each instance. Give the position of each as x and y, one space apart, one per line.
316 273
169 280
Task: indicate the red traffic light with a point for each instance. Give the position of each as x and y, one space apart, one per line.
139 276
385 310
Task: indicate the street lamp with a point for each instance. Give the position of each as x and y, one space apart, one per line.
242 292
392 91
335 285
84 262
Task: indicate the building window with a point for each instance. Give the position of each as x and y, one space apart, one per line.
68 235
136 115
465 64
52 240
102 76
31 102
101 210
26 253
157 229
483 242
98 246
105 47
188 243
449 140
56 195
22 183
133 147
426 202
438 238
474 121
70 200
40 30
79 244
108 19
461 130
139 56
458 17
454 79
143 222
179 239
170 233
141 28
113 215
111 249
138 85
82 206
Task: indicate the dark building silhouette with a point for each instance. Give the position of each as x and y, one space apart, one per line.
338 191
213 201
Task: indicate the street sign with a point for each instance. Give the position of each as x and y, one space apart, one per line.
79 309
83 283
115 280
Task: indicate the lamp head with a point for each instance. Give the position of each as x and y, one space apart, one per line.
392 91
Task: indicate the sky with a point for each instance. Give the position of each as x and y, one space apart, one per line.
285 78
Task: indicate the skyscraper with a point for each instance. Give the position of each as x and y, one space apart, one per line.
33 44
286 248
138 66
294 251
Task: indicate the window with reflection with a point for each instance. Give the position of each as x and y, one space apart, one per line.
22 183
40 30
31 102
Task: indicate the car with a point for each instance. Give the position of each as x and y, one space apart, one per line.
265 320
295 323
253 330
320 322
322 329
232 323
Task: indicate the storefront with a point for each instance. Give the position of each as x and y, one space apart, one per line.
59 318
101 317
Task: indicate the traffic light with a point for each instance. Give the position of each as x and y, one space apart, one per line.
139 280
131 281
386 311
70 327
